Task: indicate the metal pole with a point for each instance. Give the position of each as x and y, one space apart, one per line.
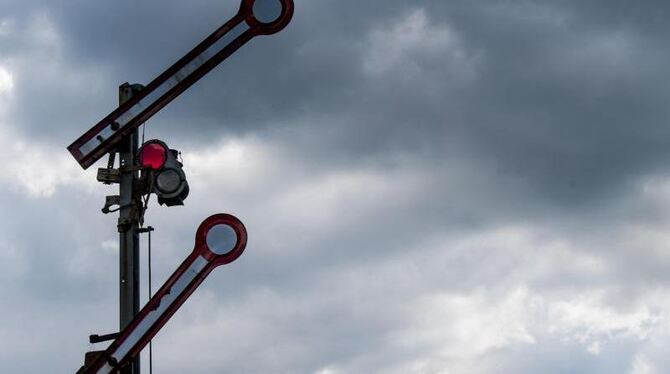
129 275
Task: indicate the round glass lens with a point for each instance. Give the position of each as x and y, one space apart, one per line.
153 155
267 11
221 239
168 181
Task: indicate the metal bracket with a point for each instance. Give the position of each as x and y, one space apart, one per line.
111 201
89 360
95 338
124 224
145 230
111 160
131 169
109 176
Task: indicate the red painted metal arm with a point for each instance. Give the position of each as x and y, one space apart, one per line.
176 290
106 134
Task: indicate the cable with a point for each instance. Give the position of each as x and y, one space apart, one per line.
144 209
151 361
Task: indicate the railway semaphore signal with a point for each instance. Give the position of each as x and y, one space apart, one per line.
157 168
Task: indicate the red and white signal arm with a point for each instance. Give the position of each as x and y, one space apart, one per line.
255 17
220 240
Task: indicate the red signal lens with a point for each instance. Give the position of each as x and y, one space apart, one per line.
153 155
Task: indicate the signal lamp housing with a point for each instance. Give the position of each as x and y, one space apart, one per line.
165 174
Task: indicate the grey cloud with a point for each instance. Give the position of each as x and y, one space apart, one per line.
514 151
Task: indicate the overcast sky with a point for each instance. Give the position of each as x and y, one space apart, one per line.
429 186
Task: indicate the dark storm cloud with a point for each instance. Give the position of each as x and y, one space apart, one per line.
413 137
567 95
575 106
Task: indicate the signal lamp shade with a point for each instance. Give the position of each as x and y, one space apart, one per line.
153 155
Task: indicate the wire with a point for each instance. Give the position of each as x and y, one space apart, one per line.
151 361
145 200
144 209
